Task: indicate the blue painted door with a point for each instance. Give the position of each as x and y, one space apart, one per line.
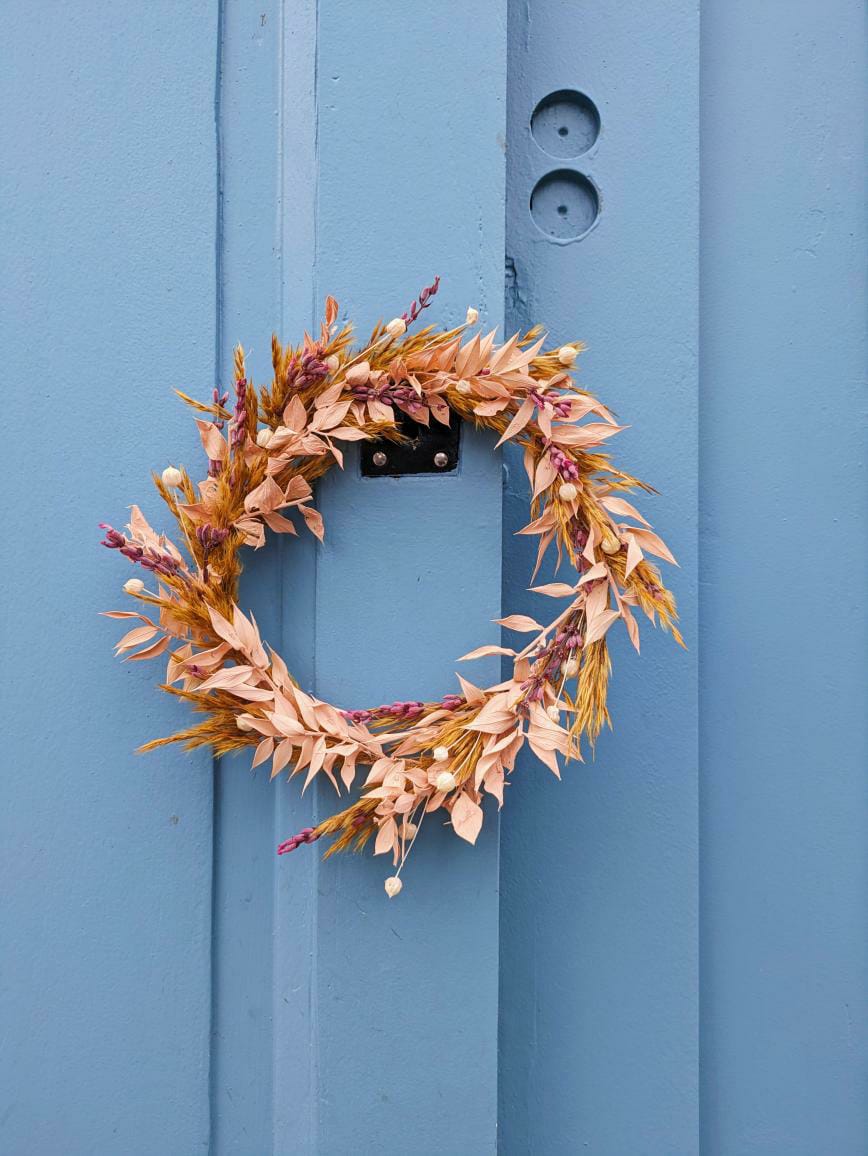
667 952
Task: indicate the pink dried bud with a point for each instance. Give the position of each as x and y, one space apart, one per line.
113 540
210 536
305 835
423 302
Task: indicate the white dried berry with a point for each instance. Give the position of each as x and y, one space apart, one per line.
264 437
172 477
567 354
397 327
393 885
445 781
441 754
567 492
134 586
472 316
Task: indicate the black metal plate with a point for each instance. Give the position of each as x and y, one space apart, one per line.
417 456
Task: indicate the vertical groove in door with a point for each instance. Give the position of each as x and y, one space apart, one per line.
294 881
215 763
260 1019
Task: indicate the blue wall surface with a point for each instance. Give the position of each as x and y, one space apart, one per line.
665 954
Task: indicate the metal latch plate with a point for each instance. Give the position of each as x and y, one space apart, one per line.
430 449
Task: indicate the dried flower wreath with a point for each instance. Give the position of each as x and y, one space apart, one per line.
278 440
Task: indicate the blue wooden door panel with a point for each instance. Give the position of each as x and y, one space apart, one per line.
784 642
406 996
599 874
107 301
335 1009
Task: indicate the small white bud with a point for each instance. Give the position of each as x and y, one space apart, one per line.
571 668
472 316
441 754
393 885
610 544
244 724
567 492
134 586
172 477
567 354
264 437
445 781
553 713
463 387
397 327
333 363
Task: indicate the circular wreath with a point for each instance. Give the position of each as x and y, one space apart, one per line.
265 452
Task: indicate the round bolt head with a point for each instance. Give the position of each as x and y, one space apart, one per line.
380 458
441 460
